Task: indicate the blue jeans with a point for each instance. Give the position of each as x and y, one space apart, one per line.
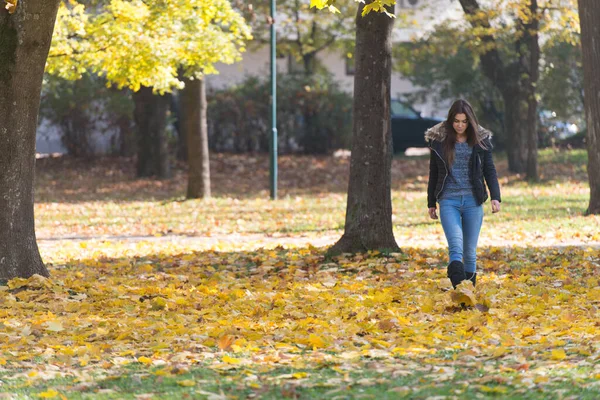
461 219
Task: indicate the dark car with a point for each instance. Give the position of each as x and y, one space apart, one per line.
408 126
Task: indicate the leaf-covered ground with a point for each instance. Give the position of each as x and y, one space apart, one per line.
271 321
243 307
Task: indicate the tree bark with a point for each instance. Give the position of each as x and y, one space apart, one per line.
589 15
369 207
25 38
196 132
150 114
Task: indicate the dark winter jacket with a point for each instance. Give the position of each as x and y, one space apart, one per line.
481 166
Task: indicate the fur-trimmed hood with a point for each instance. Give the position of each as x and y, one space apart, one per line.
438 133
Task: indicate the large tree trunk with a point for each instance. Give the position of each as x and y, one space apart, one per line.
589 15
25 38
196 132
150 116
369 208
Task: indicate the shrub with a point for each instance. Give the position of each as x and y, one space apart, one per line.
313 115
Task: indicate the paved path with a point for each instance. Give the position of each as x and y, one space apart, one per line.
260 240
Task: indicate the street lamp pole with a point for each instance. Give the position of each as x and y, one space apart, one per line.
273 141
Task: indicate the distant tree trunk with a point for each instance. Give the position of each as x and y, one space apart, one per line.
181 139
24 45
531 62
196 131
150 116
515 117
369 208
589 15
127 145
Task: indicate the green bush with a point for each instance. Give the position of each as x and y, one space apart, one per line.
86 109
313 115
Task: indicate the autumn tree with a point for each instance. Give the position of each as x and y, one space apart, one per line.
514 70
589 15
368 223
25 36
303 33
149 47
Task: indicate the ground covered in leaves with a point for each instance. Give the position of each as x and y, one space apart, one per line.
289 323
244 307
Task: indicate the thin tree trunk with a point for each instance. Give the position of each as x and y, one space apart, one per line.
532 61
196 131
369 207
127 145
515 117
25 38
589 15
150 115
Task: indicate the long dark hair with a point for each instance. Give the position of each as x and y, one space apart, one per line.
460 107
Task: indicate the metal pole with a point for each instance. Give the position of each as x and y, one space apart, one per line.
273 142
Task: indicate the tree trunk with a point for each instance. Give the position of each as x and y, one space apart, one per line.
369 208
515 117
150 116
589 15
532 63
176 111
25 38
196 131
127 145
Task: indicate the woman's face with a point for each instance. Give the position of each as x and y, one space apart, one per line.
460 123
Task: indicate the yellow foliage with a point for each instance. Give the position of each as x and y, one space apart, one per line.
11 6
146 43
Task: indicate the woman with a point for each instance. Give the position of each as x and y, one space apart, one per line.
460 160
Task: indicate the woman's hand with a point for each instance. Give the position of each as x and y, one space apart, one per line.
433 213
495 206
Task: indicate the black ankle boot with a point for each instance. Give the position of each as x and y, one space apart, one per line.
456 273
472 276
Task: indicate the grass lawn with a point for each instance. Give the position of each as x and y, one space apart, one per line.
167 319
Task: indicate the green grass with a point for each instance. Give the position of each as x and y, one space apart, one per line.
105 199
327 383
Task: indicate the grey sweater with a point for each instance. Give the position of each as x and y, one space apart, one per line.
458 183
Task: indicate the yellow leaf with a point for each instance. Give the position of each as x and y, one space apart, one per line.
493 389
54 326
316 341
187 383
320 4
558 354
11 6
300 375
231 360
225 342
463 294
145 360
49 394
158 303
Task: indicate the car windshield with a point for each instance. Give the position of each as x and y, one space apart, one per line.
399 109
